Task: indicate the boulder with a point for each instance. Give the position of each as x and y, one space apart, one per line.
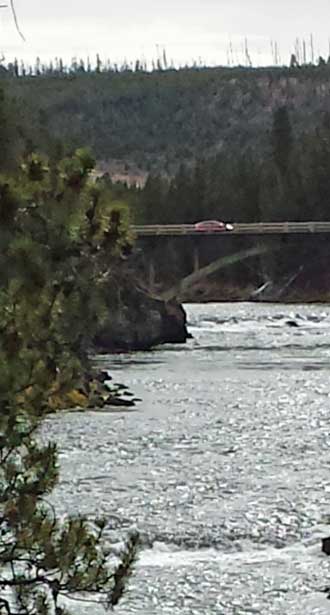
326 545
139 321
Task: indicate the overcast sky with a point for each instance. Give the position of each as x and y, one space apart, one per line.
213 30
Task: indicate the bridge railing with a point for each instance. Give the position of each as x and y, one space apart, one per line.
165 229
258 228
281 227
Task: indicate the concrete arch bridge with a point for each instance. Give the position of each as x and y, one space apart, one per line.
211 250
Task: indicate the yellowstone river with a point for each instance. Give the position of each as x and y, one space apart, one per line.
224 466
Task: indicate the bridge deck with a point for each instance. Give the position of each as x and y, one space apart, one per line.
260 228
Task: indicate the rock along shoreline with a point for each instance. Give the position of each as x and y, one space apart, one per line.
141 321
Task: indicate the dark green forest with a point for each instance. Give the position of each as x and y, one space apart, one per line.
157 120
235 144
291 181
60 236
238 144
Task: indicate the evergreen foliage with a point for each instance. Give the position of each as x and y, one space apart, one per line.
282 139
290 182
158 120
60 237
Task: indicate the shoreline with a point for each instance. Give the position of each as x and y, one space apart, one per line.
300 301
215 293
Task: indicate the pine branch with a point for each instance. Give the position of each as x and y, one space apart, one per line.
124 570
5 604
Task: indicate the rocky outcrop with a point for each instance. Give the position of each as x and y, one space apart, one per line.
139 321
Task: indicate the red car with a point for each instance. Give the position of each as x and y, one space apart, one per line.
212 226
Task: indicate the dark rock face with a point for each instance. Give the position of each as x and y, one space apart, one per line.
292 323
140 321
326 545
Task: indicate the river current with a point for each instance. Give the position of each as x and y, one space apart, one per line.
224 466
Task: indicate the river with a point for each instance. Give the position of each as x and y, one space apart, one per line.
224 466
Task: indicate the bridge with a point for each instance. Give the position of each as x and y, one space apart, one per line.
239 228
261 238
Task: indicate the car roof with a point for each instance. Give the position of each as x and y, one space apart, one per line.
210 222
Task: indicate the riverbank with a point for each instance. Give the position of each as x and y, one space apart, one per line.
218 468
217 292
138 320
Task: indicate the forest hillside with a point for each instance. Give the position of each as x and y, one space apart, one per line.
137 121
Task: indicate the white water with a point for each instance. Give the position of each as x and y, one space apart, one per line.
225 466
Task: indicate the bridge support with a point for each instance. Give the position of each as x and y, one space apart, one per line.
220 263
196 263
152 275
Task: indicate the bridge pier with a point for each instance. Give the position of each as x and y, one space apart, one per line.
152 275
221 263
196 259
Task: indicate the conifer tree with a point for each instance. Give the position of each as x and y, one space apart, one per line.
58 238
282 139
98 67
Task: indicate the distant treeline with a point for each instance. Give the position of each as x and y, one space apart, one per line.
231 144
156 121
291 181
78 66
241 56
234 144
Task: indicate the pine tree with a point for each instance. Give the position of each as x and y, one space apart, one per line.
10 141
58 238
38 67
282 139
98 63
15 68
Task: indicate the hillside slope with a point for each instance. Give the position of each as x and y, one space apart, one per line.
156 120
